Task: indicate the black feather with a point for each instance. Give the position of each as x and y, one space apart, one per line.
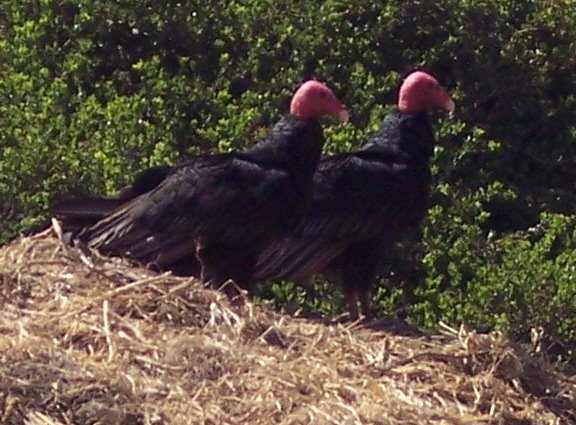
227 207
360 202
76 214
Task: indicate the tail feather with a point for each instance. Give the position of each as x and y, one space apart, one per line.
75 215
84 208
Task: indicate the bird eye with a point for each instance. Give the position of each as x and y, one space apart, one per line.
322 94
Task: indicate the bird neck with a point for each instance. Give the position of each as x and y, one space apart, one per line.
292 144
407 137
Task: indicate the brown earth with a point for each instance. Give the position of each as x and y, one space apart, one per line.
90 340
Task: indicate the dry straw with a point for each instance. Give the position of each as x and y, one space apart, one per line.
86 339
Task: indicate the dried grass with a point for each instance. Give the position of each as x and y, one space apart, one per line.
86 339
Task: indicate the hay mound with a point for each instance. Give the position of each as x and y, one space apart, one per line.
89 340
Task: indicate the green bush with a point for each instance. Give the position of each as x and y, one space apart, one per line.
91 92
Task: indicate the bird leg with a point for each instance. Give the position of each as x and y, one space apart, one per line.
352 301
353 296
365 302
356 270
221 263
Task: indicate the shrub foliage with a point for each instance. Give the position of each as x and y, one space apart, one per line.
92 91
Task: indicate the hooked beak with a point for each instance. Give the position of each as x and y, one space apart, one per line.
443 100
343 115
450 106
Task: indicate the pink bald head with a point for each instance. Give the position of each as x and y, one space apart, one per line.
313 100
421 92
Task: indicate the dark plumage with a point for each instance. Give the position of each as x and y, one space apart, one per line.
144 182
225 208
361 200
75 214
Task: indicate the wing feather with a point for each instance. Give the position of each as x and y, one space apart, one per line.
221 197
356 197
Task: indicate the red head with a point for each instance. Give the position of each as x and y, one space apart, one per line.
313 100
421 92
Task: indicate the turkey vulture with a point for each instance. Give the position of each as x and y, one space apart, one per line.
225 208
361 200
